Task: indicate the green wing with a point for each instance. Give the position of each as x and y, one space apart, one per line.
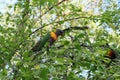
40 44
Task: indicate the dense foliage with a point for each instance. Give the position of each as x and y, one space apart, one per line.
78 55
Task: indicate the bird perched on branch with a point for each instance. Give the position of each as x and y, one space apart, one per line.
50 37
112 55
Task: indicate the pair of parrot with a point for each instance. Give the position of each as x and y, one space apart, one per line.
51 37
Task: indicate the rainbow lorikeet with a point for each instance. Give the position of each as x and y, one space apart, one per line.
51 37
112 54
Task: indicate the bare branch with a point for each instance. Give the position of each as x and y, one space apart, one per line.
57 22
76 28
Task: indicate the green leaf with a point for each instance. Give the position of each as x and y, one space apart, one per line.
44 73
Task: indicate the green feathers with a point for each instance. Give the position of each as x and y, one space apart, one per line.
40 44
50 36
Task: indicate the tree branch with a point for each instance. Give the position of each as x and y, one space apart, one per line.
76 28
85 45
57 22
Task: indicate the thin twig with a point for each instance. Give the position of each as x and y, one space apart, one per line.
41 18
89 75
85 45
76 28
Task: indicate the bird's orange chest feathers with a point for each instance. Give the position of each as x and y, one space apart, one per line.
53 35
111 54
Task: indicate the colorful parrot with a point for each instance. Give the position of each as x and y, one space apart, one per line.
51 37
112 55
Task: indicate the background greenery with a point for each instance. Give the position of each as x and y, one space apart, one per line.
82 51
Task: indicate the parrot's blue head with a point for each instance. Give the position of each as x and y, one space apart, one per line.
59 32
